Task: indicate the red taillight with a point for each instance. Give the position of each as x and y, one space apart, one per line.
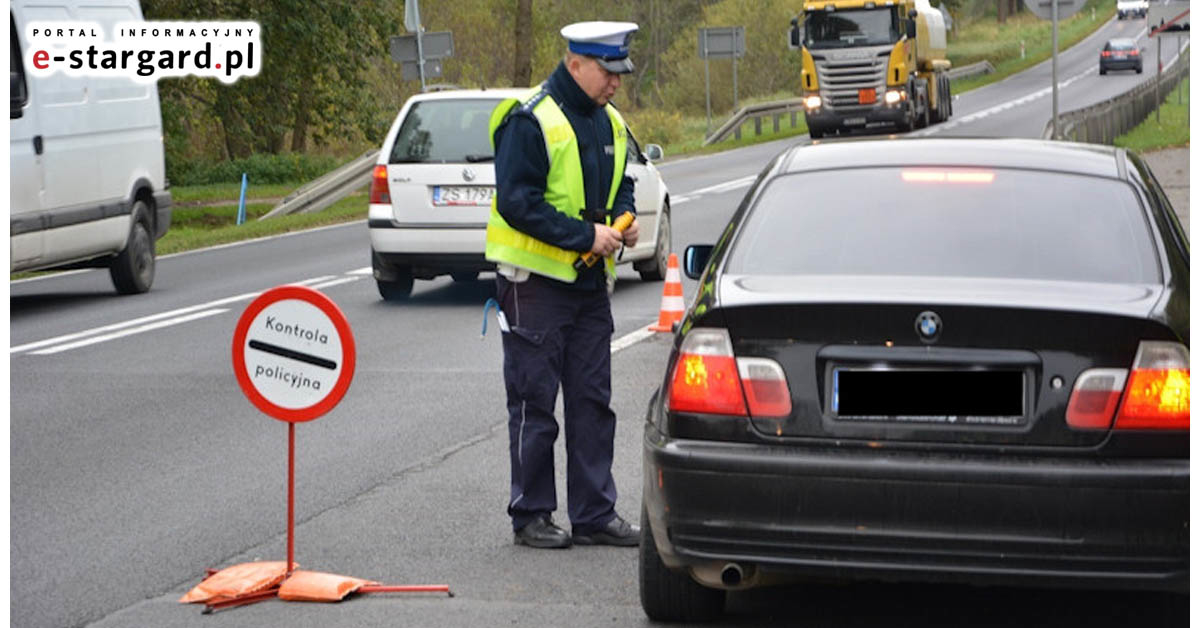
1106 53
1094 399
1135 52
708 379
379 186
1158 396
706 384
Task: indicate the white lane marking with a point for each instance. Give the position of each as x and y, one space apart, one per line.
725 187
680 200
1024 100
365 270
335 282
310 282
129 332
154 317
630 339
131 323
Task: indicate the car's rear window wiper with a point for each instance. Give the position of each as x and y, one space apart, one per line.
480 158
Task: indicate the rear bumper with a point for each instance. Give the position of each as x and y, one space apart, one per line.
427 265
834 513
1120 64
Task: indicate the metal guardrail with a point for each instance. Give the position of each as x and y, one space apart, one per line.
1102 122
327 189
774 110
968 71
777 109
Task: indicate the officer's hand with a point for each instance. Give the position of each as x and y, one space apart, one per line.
630 235
606 241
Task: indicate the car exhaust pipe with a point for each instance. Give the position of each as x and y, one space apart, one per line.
731 575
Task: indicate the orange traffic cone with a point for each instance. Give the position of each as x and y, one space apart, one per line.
671 311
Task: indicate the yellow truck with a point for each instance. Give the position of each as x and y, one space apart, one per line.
866 64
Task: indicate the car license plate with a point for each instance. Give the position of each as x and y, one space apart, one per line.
955 397
451 195
855 121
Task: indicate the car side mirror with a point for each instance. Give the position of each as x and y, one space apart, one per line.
654 152
695 258
16 96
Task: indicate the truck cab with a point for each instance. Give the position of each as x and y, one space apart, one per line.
866 64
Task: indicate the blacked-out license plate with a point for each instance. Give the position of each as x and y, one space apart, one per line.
962 397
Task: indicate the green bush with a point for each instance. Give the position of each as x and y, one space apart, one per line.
285 168
656 126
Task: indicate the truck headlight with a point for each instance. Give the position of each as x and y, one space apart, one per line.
892 97
812 102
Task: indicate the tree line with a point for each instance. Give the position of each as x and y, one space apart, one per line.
329 85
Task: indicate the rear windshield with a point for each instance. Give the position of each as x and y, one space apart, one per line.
440 131
948 222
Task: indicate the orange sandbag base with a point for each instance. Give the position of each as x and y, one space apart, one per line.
254 582
237 581
314 586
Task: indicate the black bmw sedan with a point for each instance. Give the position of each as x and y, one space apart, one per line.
927 360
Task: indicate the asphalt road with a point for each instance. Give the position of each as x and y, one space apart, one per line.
136 462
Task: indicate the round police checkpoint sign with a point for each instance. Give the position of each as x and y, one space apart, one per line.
293 353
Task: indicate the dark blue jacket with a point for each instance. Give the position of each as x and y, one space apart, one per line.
522 167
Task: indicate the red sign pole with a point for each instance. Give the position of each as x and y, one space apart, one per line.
291 507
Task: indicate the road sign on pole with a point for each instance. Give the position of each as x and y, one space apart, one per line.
436 45
720 42
1054 10
293 353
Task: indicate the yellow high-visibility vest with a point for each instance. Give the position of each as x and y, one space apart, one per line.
564 189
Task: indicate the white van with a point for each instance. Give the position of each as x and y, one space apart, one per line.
87 177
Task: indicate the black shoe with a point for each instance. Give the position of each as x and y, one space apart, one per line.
542 532
616 532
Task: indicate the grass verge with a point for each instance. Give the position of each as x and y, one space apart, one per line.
209 226
1166 130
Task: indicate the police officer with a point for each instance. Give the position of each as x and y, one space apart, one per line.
560 183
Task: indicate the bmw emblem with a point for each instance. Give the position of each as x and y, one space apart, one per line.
928 326
468 174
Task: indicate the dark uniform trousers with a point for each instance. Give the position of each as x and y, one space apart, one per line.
558 335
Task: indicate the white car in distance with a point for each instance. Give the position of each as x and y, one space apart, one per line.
432 188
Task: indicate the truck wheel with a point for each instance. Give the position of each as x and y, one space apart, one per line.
132 270
655 269
672 596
